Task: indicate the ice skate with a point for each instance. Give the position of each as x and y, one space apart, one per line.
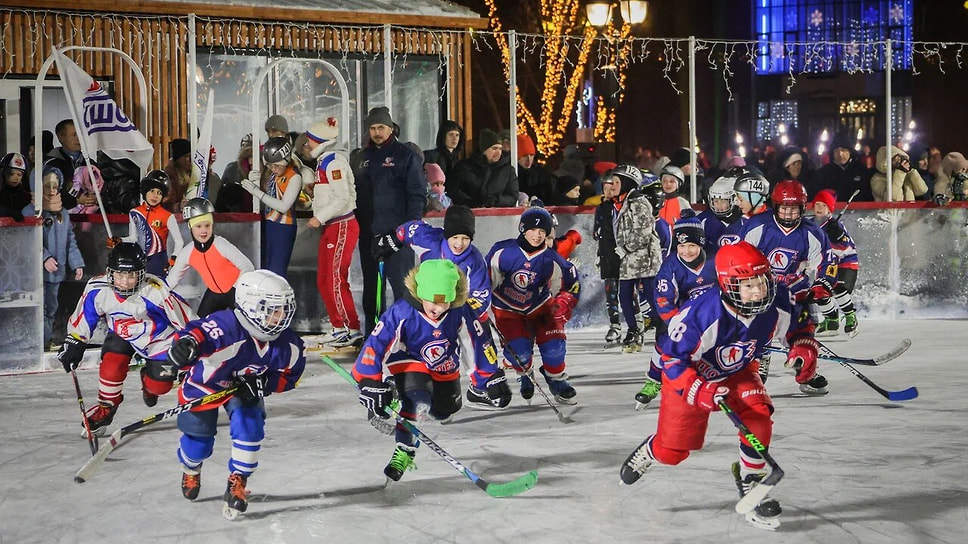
349 339
632 342
477 398
563 391
764 367
829 326
527 387
99 417
815 387
613 336
401 461
647 394
850 324
235 496
637 462
191 482
766 515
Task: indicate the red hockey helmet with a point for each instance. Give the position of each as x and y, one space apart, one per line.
789 193
743 274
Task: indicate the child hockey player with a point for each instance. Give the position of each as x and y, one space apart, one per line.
417 340
453 242
672 179
534 293
637 246
798 252
615 188
216 260
153 227
845 256
682 276
709 357
142 315
723 210
250 346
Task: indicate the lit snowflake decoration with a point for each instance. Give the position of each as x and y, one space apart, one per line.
897 13
777 50
816 18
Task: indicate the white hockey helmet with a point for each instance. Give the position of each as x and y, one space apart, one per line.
265 303
722 196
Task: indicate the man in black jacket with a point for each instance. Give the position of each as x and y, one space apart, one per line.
486 180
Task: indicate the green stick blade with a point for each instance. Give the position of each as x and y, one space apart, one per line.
514 487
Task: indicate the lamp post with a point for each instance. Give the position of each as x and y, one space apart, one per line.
600 12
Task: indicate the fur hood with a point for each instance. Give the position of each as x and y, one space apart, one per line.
462 286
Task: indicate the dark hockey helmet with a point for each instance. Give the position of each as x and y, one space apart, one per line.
536 217
276 149
156 179
789 193
743 269
629 176
126 257
654 193
13 161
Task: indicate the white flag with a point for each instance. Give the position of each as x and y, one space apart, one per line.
103 126
203 148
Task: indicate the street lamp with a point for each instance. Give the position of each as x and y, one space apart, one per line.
599 12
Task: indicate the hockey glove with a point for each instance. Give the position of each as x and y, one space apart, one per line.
71 352
375 397
833 229
183 352
562 306
803 357
705 395
162 371
498 390
250 390
384 246
820 290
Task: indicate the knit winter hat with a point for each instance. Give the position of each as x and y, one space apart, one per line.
953 162
828 197
437 281
794 157
322 131
487 138
459 220
379 115
688 230
525 146
680 157
178 148
434 173
277 122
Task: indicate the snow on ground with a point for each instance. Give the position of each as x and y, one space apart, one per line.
858 467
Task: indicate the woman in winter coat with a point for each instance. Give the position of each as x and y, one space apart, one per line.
486 180
906 182
640 255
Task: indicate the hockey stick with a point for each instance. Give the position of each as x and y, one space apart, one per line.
509 489
91 439
825 353
759 491
847 205
94 462
380 295
530 374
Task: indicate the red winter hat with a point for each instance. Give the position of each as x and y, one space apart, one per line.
827 196
525 146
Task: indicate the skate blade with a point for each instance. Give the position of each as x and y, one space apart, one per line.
811 392
641 406
98 433
767 524
828 334
568 402
482 407
230 513
853 334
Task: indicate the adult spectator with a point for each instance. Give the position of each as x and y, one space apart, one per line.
952 164
66 158
276 126
791 165
232 197
534 180
844 174
906 183
485 180
390 190
47 145
450 145
182 174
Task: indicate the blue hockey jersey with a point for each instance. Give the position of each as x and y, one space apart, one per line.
523 282
407 340
676 283
709 337
227 350
797 256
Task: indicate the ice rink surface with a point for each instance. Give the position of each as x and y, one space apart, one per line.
858 467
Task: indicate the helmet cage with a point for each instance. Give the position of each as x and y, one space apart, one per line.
733 285
260 296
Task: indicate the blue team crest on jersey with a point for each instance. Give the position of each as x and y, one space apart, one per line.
735 354
435 356
728 239
522 279
781 258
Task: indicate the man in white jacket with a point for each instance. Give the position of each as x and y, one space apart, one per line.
334 199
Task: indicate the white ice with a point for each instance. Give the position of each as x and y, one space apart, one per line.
859 468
